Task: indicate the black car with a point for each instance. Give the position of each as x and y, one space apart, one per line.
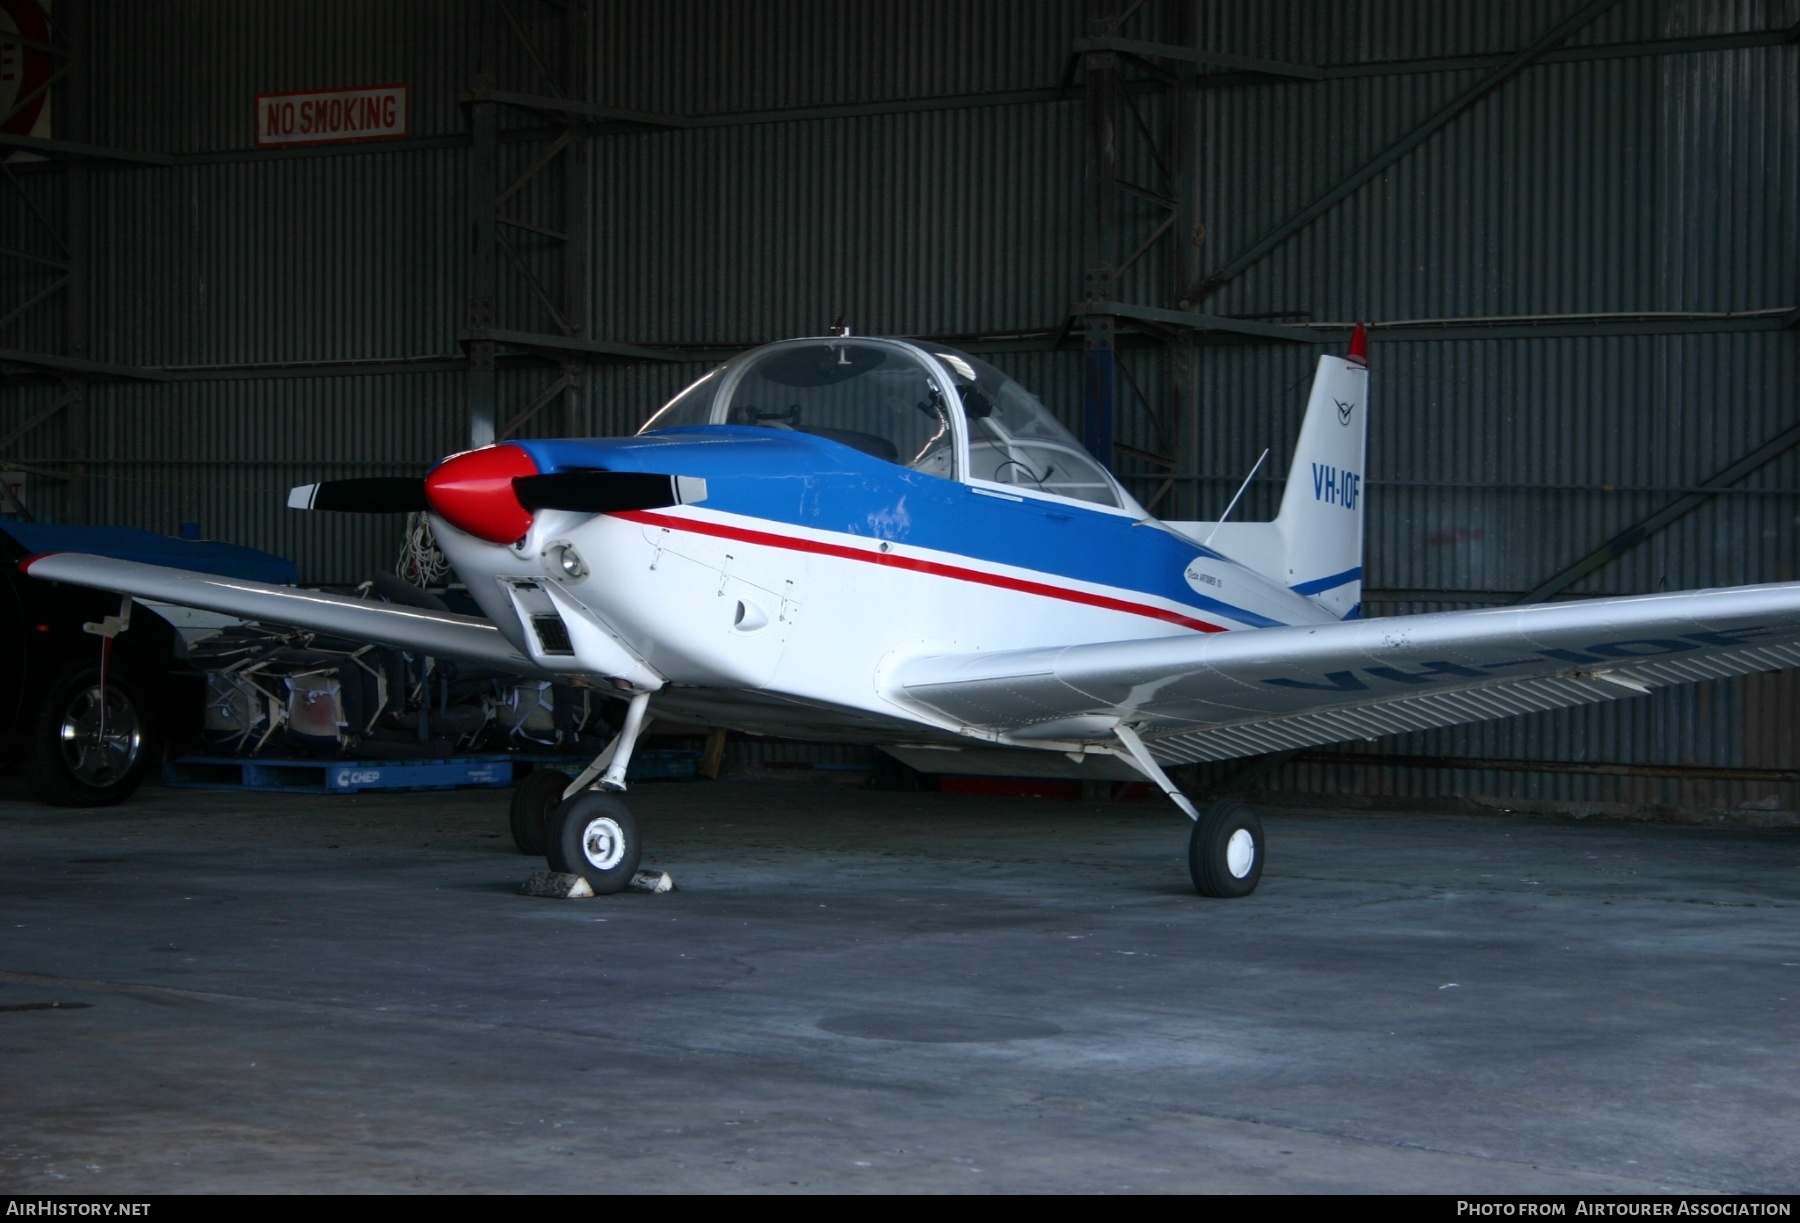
84 723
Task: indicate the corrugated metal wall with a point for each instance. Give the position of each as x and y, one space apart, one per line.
914 167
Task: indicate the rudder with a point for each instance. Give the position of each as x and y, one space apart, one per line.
1321 518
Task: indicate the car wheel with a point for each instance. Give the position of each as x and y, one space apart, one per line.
88 746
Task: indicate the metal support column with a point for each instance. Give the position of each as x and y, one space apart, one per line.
72 117
514 209
1098 284
484 264
1184 272
577 219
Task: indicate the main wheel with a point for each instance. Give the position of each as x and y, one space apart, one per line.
532 802
88 747
1225 851
594 836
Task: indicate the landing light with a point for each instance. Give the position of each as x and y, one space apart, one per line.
562 562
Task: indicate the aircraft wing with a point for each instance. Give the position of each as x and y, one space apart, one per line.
1212 697
421 631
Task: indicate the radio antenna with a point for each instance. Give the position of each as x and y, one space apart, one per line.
1237 497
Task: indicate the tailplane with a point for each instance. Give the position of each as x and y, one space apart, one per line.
1315 545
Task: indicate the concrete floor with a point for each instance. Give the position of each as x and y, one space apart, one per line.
862 991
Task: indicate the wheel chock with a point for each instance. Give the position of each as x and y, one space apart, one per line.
558 885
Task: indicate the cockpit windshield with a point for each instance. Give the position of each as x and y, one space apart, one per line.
694 406
1014 440
883 398
876 398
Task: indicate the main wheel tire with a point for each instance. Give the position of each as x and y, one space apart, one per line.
85 749
532 802
594 836
1225 850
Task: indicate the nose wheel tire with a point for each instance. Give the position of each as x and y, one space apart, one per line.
594 836
532 802
1225 850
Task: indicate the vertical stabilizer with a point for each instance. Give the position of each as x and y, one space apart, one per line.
1315 545
1321 519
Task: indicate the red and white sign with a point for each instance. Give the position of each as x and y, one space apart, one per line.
25 73
331 116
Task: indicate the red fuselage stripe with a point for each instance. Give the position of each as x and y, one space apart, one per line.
793 544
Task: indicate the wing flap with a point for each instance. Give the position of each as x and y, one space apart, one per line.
419 630
1257 690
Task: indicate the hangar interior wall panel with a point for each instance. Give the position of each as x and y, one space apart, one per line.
356 256
943 222
180 76
945 195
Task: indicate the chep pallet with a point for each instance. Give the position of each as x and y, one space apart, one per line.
302 776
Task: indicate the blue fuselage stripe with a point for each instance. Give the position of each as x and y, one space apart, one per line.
1321 585
804 481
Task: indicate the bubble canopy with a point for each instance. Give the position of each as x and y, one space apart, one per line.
925 407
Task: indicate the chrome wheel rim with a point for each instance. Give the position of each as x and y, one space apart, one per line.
603 843
101 736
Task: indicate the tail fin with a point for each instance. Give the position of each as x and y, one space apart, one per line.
1315 545
1321 517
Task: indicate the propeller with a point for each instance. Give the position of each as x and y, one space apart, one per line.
365 495
492 492
606 492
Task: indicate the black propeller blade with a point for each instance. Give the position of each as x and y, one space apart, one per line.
366 495
606 492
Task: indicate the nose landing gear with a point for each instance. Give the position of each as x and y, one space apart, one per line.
590 832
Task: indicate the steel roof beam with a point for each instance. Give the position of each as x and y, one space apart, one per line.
569 109
559 345
1190 320
78 365
1211 59
84 152
1547 42
1644 528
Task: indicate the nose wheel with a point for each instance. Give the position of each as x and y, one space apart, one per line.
594 836
590 833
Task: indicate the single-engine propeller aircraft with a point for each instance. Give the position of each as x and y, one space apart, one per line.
890 542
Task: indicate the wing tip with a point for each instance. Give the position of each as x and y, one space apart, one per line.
301 496
26 563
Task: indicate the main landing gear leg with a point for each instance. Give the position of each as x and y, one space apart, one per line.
1225 849
591 832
